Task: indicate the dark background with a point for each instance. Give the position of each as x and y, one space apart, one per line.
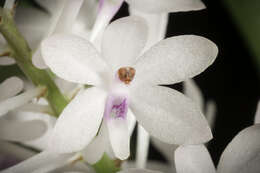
232 81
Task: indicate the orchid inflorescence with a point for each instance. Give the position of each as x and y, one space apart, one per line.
89 81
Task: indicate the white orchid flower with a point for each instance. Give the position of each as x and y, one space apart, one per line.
241 155
123 82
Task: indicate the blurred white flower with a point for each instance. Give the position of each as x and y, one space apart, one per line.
155 12
241 155
118 88
45 163
12 154
9 100
22 120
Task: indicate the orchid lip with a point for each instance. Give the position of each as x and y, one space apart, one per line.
116 107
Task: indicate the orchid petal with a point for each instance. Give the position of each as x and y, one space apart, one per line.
86 19
108 8
51 5
35 107
74 59
128 37
21 126
169 116
10 87
257 114
193 159
192 90
157 25
38 60
16 101
79 122
142 147
33 35
131 122
210 113
243 153
43 162
33 23
96 149
89 10
68 16
56 9
119 137
41 142
133 170
181 57
155 6
6 61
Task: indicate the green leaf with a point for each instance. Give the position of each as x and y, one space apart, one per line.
246 14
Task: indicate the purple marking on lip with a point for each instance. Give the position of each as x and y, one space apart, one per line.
116 107
100 4
120 109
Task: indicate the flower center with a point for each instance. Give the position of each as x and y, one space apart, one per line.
126 74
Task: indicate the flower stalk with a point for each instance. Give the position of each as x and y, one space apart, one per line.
106 165
22 54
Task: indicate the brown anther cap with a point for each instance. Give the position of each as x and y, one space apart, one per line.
126 74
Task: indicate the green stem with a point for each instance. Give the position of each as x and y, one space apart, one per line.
23 54
106 165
